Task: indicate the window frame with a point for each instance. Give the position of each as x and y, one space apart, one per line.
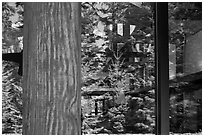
161 68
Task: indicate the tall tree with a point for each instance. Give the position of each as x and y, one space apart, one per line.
51 75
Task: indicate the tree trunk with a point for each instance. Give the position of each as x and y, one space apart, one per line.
52 69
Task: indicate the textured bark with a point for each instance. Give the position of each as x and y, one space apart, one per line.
51 74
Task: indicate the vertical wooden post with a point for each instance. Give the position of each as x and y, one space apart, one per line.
126 31
96 107
162 68
51 74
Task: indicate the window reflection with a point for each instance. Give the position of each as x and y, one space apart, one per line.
185 67
118 73
118 68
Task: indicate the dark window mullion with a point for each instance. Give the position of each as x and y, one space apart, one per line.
161 68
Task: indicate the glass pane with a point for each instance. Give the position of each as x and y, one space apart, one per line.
185 67
117 68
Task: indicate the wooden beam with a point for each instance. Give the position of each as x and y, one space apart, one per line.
161 68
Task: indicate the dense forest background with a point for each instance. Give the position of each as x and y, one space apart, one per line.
119 67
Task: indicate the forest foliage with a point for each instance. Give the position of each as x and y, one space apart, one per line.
105 65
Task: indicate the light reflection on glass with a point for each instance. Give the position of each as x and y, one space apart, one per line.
185 70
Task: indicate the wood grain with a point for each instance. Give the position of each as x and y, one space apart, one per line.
52 69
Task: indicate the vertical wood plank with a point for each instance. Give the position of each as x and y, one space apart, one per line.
52 63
